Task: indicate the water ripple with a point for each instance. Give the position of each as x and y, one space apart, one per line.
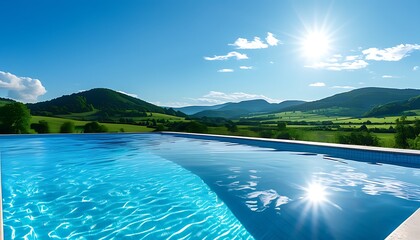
106 190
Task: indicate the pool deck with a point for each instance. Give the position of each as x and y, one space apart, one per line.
409 229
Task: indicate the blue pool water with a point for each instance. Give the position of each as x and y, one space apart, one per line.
156 186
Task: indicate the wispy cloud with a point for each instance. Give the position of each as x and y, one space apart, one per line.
23 89
238 56
352 58
246 67
335 58
272 40
390 54
225 70
129 94
415 68
343 87
317 84
339 66
390 76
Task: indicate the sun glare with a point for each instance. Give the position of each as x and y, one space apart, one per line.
316 193
316 44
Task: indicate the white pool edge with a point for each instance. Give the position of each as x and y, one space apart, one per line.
320 144
409 229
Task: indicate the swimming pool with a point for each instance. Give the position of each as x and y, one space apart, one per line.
156 186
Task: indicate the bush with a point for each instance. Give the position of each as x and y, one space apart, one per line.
192 126
94 127
266 133
67 127
14 118
284 135
231 126
281 126
359 138
41 127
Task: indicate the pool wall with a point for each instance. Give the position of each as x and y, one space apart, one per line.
374 155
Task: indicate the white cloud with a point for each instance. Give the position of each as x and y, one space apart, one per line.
271 40
246 67
225 70
238 56
257 43
243 43
390 54
338 66
317 84
21 88
343 87
415 68
129 94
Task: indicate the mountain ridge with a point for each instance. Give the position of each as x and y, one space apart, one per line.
358 101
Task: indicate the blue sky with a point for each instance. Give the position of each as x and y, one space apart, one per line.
177 53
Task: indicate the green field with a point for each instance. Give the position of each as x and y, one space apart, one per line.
55 124
298 116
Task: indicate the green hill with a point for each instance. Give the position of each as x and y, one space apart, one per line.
4 101
357 102
100 101
190 110
395 108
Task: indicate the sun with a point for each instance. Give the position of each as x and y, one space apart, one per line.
316 44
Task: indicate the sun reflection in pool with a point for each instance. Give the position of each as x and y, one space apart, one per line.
316 193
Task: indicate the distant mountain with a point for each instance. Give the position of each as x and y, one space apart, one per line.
190 110
395 108
244 108
277 107
356 102
106 101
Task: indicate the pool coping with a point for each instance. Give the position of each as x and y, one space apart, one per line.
408 229
319 144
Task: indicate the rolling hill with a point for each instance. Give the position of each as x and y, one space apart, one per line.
4 101
190 110
395 108
356 102
99 101
244 108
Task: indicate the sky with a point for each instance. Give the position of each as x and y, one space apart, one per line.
188 52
